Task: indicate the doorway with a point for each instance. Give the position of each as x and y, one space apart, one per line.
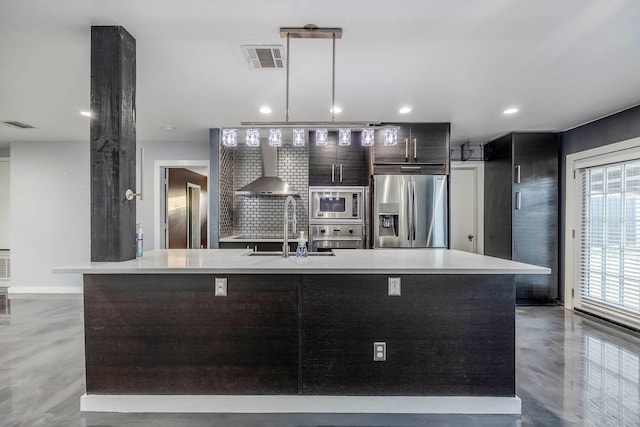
467 206
181 214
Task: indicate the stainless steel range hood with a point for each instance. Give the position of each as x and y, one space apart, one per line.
268 184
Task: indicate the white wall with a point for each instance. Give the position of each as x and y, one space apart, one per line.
157 151
49 214
50 209
4 203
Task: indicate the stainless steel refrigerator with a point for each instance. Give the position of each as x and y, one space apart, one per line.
410 211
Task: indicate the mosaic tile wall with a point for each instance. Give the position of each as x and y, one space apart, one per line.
226 192
262 216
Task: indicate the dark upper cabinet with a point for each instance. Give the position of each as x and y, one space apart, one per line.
425 144
521 208
338 165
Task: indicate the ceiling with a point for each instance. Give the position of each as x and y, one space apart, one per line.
562 63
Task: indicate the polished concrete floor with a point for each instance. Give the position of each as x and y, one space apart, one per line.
571 371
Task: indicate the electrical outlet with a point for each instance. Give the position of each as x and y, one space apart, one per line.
379 351
394 287
221 287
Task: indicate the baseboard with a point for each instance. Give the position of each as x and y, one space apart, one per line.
45 289
301 404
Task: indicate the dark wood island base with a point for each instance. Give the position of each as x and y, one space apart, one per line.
300 335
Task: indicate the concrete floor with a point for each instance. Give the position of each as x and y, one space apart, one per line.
571 371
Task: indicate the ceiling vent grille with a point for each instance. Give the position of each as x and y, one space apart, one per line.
19 125
264 56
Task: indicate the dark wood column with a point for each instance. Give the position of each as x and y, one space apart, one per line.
113 144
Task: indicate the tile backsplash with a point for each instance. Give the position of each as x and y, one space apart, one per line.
261 216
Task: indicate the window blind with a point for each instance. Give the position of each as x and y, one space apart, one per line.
609 242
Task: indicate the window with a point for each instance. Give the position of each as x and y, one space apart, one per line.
609 241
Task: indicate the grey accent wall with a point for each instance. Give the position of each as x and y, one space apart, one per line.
261 216
608 130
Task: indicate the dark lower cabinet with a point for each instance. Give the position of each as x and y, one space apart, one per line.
299 334
445 335
169 334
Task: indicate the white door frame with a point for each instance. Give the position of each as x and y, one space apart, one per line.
570 220
158 167
478 170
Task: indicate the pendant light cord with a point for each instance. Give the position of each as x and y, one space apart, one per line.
333 80
286 107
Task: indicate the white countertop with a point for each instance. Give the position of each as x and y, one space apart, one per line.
345 261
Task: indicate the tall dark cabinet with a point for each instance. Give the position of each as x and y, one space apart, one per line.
521 208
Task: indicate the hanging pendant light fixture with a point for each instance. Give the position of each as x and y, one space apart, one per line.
275 137
367 137
298 138
229 138
253 137
390 137
322 137
298 129
344 137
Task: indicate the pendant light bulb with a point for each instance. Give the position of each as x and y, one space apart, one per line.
275 137
322 137
367 137
253 137
298 138
390 137
344 137
229 138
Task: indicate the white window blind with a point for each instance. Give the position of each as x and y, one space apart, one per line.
609 242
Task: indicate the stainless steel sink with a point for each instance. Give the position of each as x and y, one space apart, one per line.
292 254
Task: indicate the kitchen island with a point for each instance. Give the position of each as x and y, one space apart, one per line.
236 331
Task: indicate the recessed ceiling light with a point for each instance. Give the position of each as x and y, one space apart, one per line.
511 110
168 128
265 110
86 113
336 110
404 110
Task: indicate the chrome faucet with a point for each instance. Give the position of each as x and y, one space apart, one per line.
285 246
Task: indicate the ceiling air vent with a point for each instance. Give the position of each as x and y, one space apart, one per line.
264 56
19 125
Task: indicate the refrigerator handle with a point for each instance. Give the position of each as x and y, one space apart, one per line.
409 212
415 211
518 200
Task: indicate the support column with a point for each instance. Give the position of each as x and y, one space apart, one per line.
113 143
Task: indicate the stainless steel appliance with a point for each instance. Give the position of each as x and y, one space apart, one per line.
338 218
410 211
341 203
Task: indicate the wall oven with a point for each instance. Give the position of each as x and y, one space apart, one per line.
338 218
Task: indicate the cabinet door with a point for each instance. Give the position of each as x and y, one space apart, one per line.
396 153
498 206
169 334
322 161
445 335
535 158
353 163
429 143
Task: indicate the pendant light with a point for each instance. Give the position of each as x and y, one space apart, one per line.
253 137
229 138
367 137
344 137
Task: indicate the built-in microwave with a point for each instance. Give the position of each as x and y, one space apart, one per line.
341 203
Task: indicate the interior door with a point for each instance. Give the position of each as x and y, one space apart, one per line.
466 204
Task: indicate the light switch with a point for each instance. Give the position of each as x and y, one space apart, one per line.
394 286
221 287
